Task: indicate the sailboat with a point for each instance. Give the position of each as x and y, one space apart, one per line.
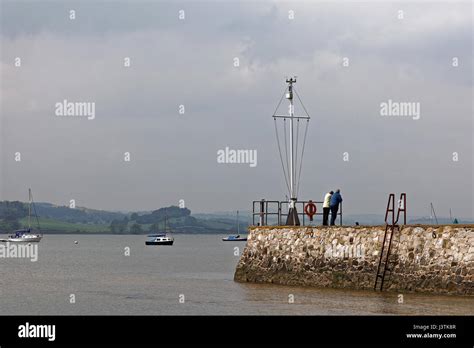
25 234
237 237
160 238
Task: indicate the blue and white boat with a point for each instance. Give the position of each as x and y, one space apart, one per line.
25 236
236 237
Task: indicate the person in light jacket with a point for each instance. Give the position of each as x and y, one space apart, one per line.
334 205
326 205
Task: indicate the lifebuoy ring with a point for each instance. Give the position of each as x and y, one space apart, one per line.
310 209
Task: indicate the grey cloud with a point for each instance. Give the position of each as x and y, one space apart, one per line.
190 63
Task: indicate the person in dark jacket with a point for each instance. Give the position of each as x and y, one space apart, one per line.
334 205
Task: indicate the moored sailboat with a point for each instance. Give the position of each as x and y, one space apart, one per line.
163 238
237 237
26 235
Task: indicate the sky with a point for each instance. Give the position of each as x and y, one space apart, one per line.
350 57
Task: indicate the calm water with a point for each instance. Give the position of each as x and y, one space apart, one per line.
151 280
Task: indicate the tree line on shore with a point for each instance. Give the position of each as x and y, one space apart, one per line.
63 219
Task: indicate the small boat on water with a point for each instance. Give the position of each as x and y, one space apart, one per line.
160 238
234 238
237 237
26 235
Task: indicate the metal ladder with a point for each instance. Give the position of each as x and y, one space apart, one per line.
390 229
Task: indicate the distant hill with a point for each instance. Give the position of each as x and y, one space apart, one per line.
159 215
62 219
441 220
76 215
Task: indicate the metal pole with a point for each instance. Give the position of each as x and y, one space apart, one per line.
340 216
292 218
279 213
292 174
404 209
253 213
266 213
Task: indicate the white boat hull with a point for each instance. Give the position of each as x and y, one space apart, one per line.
24 239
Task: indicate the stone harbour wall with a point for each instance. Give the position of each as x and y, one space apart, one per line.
433 259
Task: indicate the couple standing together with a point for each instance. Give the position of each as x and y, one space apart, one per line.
331 203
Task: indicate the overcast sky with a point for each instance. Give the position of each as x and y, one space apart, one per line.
190 62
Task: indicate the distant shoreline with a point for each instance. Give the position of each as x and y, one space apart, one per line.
134 234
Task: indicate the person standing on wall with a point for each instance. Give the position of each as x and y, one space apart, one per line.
326 205
334 205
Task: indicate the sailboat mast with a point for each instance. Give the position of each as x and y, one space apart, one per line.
433 213
29 208
238 224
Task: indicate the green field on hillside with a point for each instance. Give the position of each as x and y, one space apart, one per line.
50 225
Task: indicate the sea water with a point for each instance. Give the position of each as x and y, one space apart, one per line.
119 275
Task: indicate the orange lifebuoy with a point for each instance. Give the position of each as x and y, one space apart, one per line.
310 209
